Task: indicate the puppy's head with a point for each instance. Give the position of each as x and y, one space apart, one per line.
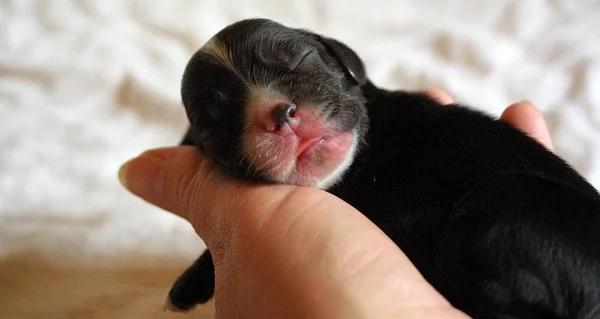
276 104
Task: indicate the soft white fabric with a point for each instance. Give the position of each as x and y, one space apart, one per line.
85 85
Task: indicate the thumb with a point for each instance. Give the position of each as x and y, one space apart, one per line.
183 181
163 177
180 180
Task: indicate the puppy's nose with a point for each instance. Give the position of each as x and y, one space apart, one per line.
283 114
281 118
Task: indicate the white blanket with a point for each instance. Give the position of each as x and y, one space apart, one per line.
85 85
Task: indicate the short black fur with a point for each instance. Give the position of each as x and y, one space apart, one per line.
501 226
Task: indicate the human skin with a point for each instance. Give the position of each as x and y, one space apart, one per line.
284 251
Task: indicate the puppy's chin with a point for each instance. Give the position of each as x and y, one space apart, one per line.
290 159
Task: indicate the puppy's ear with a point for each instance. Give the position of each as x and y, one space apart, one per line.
347 58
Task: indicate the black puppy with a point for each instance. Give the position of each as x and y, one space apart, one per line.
499 225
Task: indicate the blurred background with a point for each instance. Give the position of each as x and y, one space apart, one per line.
86 85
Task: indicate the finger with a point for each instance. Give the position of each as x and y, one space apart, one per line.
170 179
526 117
183 181
153 174
440 96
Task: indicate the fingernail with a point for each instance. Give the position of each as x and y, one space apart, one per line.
123 174
526 101
142 176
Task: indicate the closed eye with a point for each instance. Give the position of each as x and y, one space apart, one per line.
301 59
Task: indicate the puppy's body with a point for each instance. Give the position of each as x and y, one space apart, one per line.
499 225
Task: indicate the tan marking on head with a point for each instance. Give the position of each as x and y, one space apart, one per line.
219 50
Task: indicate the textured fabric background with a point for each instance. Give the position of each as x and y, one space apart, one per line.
85 85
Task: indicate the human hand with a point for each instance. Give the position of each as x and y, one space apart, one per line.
282 251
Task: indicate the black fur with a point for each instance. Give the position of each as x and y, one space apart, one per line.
501 226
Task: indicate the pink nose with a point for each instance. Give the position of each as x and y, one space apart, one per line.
282 119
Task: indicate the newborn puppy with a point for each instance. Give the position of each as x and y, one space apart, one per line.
499 225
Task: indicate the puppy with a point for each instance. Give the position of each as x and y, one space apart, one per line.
499 225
